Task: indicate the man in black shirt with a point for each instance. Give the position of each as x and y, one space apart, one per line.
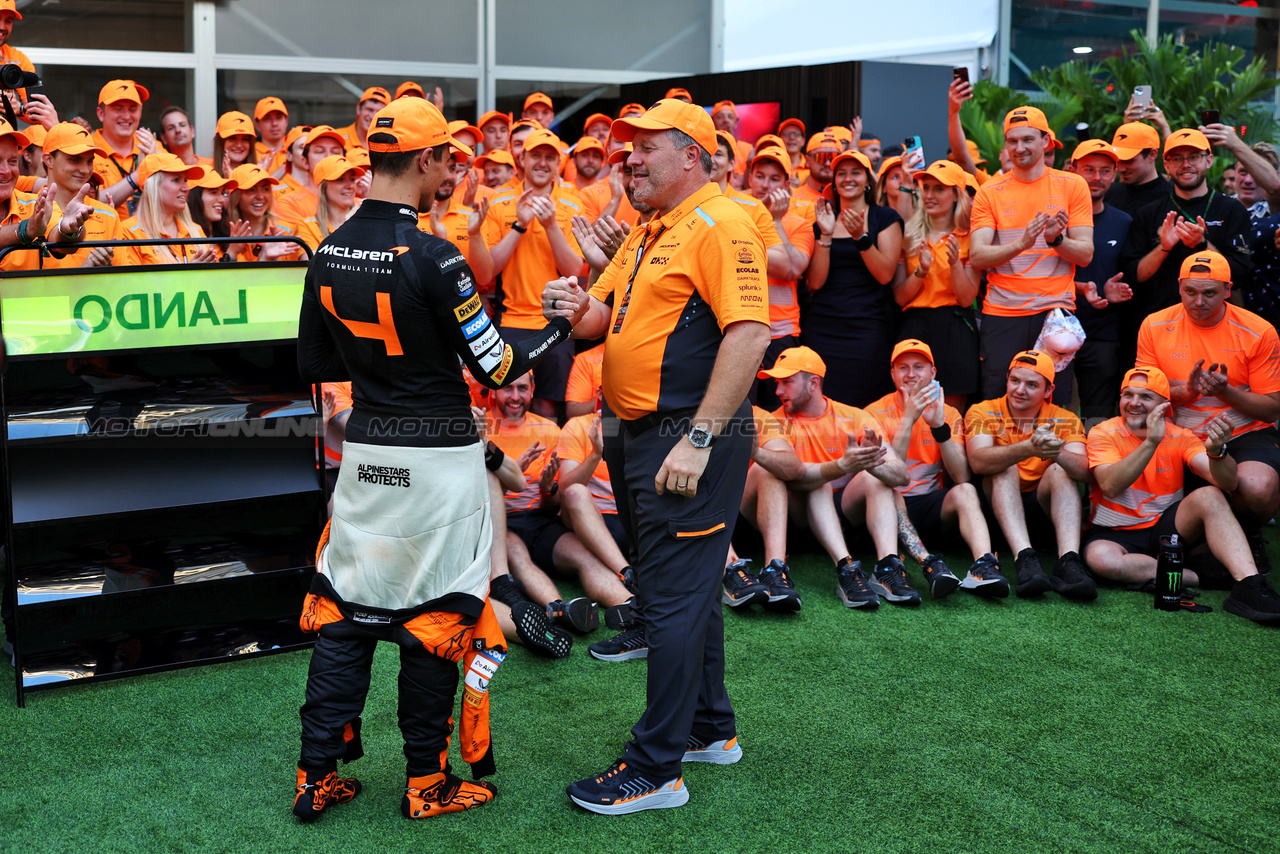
1101 293
1191 219
406 555
1137 146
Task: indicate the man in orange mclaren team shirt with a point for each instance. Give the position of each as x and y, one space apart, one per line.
820 152
69 153
595 126
538 107
793 138
120 111
588 159
725 116
1139 462
292 208
1030 228
1223 360
271 121
1031 454
496 129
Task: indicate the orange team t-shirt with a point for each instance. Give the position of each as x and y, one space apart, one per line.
1242 341
1039 278
585 376
824 438
1159 485
253 251
992 418
288 186
575 444
102 224
131 256
342 402
350 139
803 199
768 428
784 307
114 167
261 150
597 197
519 289
21 206
703 269
295 207
937 291
759 214
514 441
924 456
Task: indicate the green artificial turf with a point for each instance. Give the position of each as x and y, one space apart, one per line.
963 725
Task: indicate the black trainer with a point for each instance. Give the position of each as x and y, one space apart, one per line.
942 581
776 578
1031 578
507 590
581 614
889 579
619 617
742 587
984 578
537 633
627 644
621 789
1253 599
1071 580
852 586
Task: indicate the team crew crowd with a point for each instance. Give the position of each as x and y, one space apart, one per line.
1059 364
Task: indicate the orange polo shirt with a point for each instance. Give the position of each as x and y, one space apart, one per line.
261 150
21 206
585 376
575 444
992 418
102 224
127 256
514 441
519 291
759 215
597 197
803 199
1039 278
1157 488
784 306
296 207
824 438
1242 341
114 167
937 291
924 455
675 284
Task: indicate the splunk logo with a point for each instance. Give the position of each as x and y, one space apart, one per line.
361 254
94 313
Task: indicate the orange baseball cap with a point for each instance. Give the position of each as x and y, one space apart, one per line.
631 110
1032 117
971 181
912 345
621 154
35 135
123 90
235 123
248 175
544 137
1145 376
359 156
163 161
773 155
1186 138
821 140
1133 138
409 86
670 113
944 171
539 98
843 133
521 124
268 104
375 93
334 166
1095 146
885 165
727 138
416 124
1037 361
725 105
211 180
856 156
500 156
677 92
1218 268
596 117
321 131
587 143
10 6
460 125
770 139
792 361
294 133
494 116
795 123
69 138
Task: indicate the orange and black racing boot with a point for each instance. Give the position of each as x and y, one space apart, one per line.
442 792
319 790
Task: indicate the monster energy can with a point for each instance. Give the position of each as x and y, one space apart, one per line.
1169 574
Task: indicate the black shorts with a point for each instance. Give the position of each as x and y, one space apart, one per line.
1005 337
925 513
539 531
551 375
1144 541
952 334
619 533
1260 446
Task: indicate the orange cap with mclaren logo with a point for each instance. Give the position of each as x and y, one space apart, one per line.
822 140
460 126
163 161
678 93
667 114
334 166
249 175
544 138
1149 378
322 131
234 123
770 139
596 117
408 87
791 123
500 156
494 116
294 133
911 345
1133 138
1188 138
725 105
773 155
359 156
587 143
123 90
69 138
539 98
944 171
375 93
415 123
1032 117
1206 265
856 156
36 134
1095 146
631 110
621 154
792 361
268 104
10 6
211 180
1036 361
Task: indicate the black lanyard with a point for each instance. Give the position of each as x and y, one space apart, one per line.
645 242
1182 211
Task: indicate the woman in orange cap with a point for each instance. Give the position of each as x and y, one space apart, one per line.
233 142
254 202
209 204
852 318
162 212
337 177
937 288
893 187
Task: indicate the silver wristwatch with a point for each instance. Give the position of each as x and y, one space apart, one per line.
701 437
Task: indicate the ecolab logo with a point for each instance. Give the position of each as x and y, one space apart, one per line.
357 254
